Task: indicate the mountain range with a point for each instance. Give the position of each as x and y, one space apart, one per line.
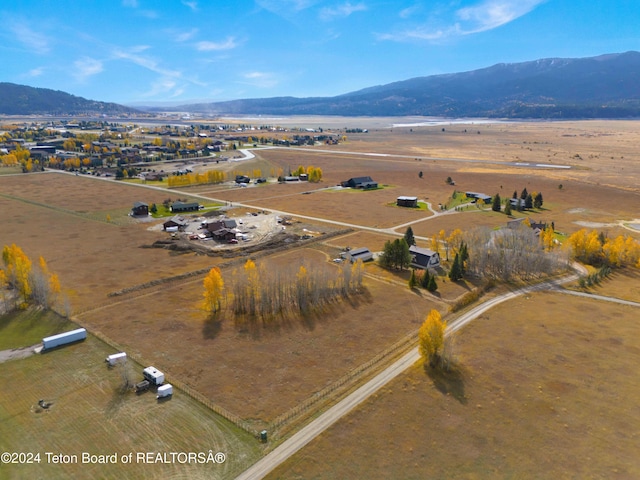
607 86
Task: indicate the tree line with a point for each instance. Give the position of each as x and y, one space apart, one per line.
259 292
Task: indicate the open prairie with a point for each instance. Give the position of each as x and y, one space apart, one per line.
80 226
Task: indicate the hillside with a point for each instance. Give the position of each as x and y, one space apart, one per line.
23 100
596 87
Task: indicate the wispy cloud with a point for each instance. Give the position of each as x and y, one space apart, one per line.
283 6
86 67
36 72
136 6
341 11
205 46
260 79
133 55
409 11
192 5
184 36
484 16
34 41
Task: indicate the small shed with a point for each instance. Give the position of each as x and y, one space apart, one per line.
140 209
404 201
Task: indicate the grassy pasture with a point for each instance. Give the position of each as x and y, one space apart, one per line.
23 328
547 392
91 414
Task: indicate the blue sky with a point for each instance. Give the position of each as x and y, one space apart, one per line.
148 51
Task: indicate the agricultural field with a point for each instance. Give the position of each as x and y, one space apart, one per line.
119 284
89 412
542 393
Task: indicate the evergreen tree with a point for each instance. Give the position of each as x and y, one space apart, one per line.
496 203
424 281
507 208
413 281
524 193
515 194
408 237
432 286
455 273
537 201
528 202
464 256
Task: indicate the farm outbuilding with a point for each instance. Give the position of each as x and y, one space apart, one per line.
358 254
175 223
424 258
64 338
404 201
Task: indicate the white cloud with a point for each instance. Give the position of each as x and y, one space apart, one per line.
409 11
341 11
86 67
205 46
491 14
280 7
484 16
144 61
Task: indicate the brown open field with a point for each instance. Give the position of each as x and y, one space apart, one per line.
261 373
548 392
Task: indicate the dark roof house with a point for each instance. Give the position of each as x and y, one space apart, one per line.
174 222
140 209
404 201
184 207
358 254
424 258
360 182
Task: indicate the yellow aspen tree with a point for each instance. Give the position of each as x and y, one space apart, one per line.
431 337
253 285
213 290
435 245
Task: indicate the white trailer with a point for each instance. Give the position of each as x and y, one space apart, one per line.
116 358
64 338
155 376
165 390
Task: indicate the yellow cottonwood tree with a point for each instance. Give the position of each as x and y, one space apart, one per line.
431 337
213 290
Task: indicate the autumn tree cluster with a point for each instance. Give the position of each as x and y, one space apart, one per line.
208 177
314 173
267 293
33 284
597 249
510 254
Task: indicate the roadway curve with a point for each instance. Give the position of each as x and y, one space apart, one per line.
305 435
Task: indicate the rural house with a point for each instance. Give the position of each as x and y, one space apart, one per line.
184 206
404 201
424 258
365 183
228 223
536 226
479 197
140 209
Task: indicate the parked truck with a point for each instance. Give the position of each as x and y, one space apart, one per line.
64 338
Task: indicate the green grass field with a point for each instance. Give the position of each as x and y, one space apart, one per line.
22 328
91 414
